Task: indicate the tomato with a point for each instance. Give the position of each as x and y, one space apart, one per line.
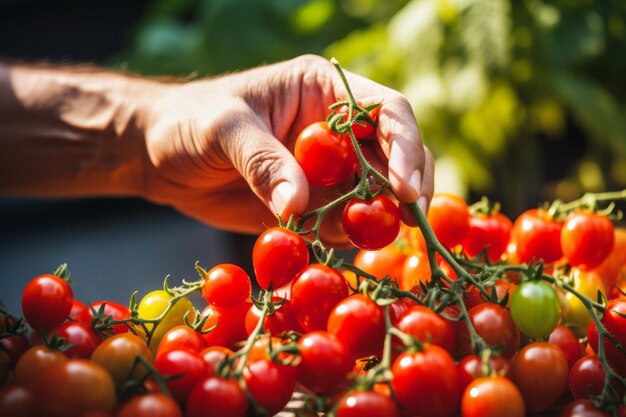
325 362
214 396
153 304
315 292
226 285
326 157
46 301
449 218
17 401
14 347
582 408
615 323
364 130
270 384
535 309
540 372
471 367
415 270
359 323
229 324
427 326
573 312
502 287
371 224
117 355
181 337
81 336
565 338
117 311
150 405
495 325
282 320
213 356
77 307
586 239
492 396
614 266
380 263
425 383
366 404
537 236
33 362
586 378
73 387
488 231
278 255
188 368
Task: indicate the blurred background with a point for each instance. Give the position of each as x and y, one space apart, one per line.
522 101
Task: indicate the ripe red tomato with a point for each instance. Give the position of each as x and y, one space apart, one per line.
492 396
278 255
77 307
425 383
537 236
366 404
118 354
325 363
615 323
427 326
495 325
189 368
583 408
366 130
326 157
150 405
118 311
449 218
215 396
565 338
415 270
586 378
270 384
213 355
281 321
586 239
474 297
46 301
14 347
471 368
81 336
359 323
33 362
540 372
230 324
315 292
181 337
488 231
371 224
17 401
379 263
226 285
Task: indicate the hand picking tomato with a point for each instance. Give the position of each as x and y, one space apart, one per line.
46 301
278 255
371 224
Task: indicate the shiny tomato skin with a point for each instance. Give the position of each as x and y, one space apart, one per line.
364 403
315 292
325 363
181 337
229 324
150 405
540 372
83 338
427 326
213 356
117 355
364 130
73 387
326 157
46 302
358 323
415 271
77 307
189 367
495 325
278 255
449 218
425 383
582 408
587 239
17 401
615 324
118 311
270 384
586 377
565 338
380 263
282 320
14 347
491 232
492 396
371 224
226 285
471 368
217 397
33 362
537 236
535 309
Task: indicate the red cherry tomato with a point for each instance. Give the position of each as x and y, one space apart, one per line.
270 384
615 323
449 218
587 239
117 311
366 404
14 347
471 367
488 231
582 408
495 325
365 130
278 255
586 378
46 302
150 405
537 236
415 271
428 327
281 321
77 307
326 157
17 401
379 263
229 324
33 362
81 336
217 397
492 396
315 292
181 337
226 285
371 224
213 355
565 338
189 368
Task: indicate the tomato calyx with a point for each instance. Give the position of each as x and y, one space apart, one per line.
11 325
62 271
342 120
485 207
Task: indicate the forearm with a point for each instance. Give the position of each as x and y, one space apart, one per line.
65 132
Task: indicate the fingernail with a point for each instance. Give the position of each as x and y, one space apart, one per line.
423 204
281 195
415 181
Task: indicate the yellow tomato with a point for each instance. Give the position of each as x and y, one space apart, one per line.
573 313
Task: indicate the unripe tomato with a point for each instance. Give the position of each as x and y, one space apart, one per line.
535 309
587 239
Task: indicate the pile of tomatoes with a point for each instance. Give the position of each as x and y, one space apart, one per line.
472 314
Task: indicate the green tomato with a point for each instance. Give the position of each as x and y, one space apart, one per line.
535 309
153 304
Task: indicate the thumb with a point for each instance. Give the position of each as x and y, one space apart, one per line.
272 172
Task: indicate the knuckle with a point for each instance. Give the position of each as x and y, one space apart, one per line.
260 168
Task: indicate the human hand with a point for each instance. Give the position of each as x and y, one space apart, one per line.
219 149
